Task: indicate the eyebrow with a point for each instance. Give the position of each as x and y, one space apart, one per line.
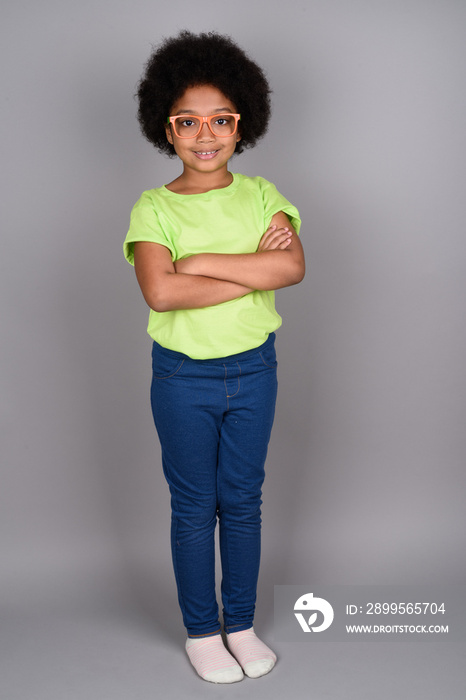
219 110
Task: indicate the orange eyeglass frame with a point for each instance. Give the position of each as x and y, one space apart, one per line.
203 120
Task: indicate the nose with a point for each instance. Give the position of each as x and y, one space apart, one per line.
205 133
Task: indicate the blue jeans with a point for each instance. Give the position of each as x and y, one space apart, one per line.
214 419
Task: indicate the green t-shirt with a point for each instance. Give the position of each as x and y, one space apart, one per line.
228 220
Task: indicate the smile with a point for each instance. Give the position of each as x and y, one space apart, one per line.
205 154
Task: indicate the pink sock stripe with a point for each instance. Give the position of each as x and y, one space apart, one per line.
209 655
247 647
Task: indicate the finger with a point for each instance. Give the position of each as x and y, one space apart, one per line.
278 232
276 239
273 232
275 244
283 244
268 233
280 245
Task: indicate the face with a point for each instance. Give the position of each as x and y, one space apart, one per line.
205 152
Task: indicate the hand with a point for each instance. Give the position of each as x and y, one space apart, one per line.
275 238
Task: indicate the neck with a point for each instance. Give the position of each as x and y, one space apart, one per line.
196 183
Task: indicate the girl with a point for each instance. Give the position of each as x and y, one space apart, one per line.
209 249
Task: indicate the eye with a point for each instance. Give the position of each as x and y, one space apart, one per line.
224 120
187 122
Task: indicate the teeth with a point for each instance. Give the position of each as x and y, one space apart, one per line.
205 153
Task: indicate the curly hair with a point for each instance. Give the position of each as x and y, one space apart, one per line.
209 58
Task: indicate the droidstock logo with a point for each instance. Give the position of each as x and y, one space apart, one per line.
307 603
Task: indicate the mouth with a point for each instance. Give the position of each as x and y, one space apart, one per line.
205 155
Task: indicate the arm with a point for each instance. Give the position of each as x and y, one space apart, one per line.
165 290
277 263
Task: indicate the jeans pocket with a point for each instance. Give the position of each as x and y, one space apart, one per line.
268 356
164 364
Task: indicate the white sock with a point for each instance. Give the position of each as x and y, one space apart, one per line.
212 661
255 657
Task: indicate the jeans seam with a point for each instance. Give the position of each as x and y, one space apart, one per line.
230 396
225 384
175 564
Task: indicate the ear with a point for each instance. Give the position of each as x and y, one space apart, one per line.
168 131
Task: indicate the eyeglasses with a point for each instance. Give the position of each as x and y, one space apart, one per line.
188 126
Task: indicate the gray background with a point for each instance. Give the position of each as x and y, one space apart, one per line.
366 470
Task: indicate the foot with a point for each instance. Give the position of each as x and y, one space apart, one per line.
255 657
212 661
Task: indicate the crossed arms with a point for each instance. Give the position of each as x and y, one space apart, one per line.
208 279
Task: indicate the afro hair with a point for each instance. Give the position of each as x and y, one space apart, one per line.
191 59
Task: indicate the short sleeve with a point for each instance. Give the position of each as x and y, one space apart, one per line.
275 202
144 226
